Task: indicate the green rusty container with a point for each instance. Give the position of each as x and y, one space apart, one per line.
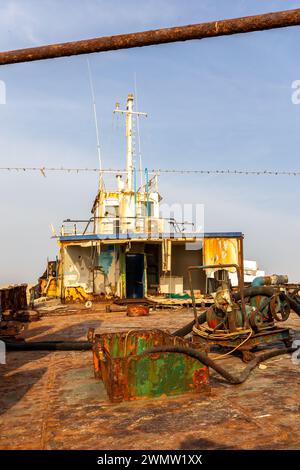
129 376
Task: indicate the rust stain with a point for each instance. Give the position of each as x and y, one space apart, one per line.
200 377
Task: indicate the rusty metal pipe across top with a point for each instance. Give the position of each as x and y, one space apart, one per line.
247 24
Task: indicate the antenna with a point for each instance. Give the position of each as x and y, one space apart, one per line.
96 121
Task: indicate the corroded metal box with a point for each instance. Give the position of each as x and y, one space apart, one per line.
128 374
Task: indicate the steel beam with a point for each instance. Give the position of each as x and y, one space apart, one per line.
245 24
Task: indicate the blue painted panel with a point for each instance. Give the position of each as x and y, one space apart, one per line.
106 259
145 236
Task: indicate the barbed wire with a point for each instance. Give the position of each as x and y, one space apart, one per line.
44 170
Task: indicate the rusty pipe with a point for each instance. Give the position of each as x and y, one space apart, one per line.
246 24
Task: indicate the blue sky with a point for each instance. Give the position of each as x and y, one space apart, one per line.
217 103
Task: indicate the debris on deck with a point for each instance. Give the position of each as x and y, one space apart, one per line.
51 400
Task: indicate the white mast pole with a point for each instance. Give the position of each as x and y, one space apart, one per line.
129 154
129 134
138 133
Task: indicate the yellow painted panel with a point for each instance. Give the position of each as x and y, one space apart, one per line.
221 251
49 287
77 294
52 288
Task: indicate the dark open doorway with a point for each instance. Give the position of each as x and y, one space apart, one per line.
152 252
134 275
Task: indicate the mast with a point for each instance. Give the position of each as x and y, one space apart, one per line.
129 138
129 152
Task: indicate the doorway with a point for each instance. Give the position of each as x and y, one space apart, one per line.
134 275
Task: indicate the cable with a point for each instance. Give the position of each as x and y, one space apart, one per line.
125 342
43 171
232 172
208 333
234 349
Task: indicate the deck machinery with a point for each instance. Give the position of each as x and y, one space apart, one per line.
245 318
152 363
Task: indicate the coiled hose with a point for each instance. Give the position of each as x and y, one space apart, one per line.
234 379
186 329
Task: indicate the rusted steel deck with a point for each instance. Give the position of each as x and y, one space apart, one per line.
50 400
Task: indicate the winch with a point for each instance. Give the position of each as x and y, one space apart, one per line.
243 319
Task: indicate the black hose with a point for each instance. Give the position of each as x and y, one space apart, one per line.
85 345
294 304
48 346
253 291
234 379
186 329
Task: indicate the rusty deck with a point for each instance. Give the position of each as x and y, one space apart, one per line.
51 400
